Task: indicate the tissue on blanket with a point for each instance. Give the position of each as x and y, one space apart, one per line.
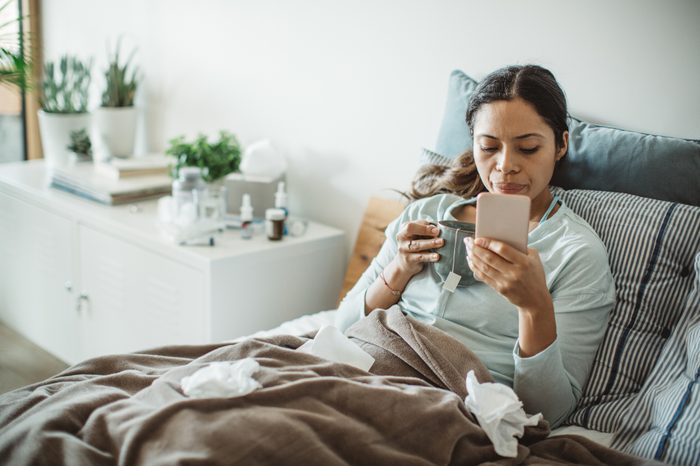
330 344
499 412
222 379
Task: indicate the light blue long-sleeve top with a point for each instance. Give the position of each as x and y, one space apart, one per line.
578 278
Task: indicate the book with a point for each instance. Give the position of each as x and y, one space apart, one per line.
154 164
86 181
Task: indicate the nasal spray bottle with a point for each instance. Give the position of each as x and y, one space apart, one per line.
281 203
246 217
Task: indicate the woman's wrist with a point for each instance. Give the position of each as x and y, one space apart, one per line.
537 328
395 277
544 309
386 289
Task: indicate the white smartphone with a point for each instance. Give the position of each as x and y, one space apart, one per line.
503 217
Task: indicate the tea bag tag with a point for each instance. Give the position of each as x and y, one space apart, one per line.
451 282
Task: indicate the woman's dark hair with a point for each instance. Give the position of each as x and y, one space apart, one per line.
534 84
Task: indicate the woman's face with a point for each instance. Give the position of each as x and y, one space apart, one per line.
514 150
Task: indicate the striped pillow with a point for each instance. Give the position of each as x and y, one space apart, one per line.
651 245
663 421
428 157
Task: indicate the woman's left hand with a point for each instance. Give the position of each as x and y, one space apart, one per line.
517 276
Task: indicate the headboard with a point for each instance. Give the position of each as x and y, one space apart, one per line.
379 213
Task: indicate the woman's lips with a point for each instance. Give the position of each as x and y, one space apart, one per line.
509 188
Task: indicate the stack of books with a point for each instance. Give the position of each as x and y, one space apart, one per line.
116 182
138 166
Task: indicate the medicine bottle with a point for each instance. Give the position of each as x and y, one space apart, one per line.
246 218
274 224
281 203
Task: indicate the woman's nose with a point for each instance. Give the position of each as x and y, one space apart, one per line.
506 161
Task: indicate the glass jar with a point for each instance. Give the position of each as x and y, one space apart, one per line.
188 189
213 203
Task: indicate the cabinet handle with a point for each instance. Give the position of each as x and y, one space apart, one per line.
68 286
79 301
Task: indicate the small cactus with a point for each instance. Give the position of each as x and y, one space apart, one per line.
80 144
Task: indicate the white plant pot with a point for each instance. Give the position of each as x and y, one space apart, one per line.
55 134
117 126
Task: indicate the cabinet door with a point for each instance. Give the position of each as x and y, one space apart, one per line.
136 299
36 270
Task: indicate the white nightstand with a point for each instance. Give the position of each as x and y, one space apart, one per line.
82 279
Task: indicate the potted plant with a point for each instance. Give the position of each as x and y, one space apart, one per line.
80 145
215 159
14 63
64 101
116 118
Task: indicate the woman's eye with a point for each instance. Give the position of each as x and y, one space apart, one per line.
488 149
530 150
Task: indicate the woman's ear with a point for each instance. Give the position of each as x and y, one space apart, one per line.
564 147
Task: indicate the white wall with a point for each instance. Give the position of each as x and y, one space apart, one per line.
352 89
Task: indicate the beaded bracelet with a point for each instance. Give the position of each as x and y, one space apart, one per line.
391 290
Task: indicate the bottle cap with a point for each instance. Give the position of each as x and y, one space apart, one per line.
246 209
274 214
280 196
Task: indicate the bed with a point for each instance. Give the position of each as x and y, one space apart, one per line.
642 398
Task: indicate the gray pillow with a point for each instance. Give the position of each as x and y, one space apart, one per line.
651 247
610 159
599 157
663 421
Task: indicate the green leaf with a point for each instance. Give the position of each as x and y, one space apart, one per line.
216 158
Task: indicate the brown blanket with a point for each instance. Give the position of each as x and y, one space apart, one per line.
130 410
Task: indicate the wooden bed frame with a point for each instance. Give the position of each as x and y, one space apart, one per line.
379 213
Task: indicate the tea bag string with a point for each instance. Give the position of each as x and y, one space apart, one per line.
454 248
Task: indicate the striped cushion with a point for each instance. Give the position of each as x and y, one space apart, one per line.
651 245
428 157
663 421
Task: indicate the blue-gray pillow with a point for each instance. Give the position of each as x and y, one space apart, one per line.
599 157
651 247
663 421
610 159
454 138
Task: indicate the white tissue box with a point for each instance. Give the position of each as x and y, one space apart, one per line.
261 189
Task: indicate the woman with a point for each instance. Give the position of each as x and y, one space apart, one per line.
535 319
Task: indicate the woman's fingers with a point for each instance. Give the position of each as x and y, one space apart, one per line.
424 257
489 259
420 228
419 245
418 237
508 253
416 242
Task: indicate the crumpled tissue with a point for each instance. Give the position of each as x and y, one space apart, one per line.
222 379
499 412
331 344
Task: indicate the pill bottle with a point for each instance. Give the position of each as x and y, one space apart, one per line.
274 224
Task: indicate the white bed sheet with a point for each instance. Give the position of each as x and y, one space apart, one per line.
308 323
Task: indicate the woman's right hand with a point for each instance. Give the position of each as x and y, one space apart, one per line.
415 241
